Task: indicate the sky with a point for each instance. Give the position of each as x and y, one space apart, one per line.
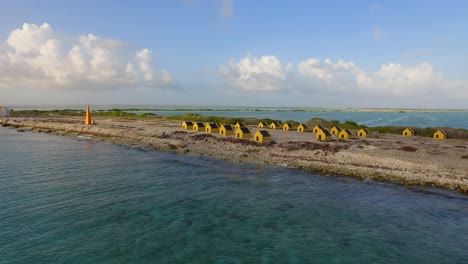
400 54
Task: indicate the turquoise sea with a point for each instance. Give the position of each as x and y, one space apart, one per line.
77 200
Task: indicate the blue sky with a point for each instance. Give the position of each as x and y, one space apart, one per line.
232 52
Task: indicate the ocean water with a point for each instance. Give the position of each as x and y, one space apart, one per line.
76 200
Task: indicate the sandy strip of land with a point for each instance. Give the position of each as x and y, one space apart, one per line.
382 157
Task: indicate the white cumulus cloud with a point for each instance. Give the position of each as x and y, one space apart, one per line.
395 79
265 73
390 79
34 56
319 74
143 58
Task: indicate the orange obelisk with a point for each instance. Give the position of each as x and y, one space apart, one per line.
88 120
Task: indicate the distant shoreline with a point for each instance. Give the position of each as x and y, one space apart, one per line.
456 129
231 108
384 157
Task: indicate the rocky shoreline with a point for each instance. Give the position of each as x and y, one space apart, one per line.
383 157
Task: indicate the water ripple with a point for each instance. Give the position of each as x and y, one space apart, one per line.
92 202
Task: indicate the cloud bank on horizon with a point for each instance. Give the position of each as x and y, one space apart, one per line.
35 56
269 74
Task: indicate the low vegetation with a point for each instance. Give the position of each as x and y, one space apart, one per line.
329 124
457 133
293 122
64 112
72 112
220 119
293 145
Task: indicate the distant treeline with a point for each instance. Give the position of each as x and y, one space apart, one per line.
73 112
224 110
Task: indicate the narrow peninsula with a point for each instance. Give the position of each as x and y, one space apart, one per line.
409 160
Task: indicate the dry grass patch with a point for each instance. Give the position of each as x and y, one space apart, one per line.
201 136
305 145
408 149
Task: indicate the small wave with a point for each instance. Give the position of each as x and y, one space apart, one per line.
440 193
80 136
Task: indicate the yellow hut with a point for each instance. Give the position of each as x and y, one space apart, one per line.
440 134
408 132
288 126
262 125
336 130
239 125
262 136
363 132
302 128
212 128
88 120
323 135
275 125
243 132
198 126
318 128
345 134
226 130
187 125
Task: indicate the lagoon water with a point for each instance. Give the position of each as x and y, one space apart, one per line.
76 200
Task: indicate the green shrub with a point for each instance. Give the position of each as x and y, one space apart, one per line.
269 120
318 121
293 122
329 124
71 112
